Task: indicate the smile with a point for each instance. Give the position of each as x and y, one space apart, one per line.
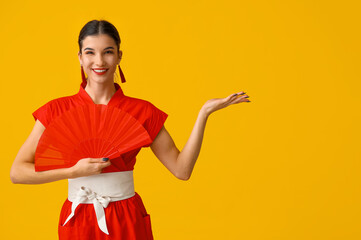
100 71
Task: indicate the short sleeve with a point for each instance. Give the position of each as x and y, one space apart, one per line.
43 114
154 121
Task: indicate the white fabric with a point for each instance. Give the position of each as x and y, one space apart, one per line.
99 190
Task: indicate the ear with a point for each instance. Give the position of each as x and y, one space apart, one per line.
120 56
80 58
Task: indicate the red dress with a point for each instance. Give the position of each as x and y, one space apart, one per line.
128 218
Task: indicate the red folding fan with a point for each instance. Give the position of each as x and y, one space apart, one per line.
92 130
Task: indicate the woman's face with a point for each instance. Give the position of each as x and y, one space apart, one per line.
99 53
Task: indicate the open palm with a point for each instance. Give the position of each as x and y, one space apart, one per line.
215 104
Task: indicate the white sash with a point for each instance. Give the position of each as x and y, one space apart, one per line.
99 190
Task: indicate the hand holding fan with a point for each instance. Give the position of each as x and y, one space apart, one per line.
91 130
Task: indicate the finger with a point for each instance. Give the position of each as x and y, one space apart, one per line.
231 97
244 97
98 160
228 99
236 95
105 164
240 99
245 100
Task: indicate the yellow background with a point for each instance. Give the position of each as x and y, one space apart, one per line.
285 166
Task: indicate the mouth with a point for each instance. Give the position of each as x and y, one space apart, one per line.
99 71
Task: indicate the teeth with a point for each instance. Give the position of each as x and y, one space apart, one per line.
99 71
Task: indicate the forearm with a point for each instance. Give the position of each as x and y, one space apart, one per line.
188 156
24 173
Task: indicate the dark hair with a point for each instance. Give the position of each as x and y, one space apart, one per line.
97 27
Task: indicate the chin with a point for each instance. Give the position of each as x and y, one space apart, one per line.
97 79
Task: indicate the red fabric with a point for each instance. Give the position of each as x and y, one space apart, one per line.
126 219
42 114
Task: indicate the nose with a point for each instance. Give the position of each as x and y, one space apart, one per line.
99 60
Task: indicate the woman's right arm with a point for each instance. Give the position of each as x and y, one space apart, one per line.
23 168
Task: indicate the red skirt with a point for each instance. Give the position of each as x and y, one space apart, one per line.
126 219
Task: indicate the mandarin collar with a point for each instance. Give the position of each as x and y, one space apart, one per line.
114 99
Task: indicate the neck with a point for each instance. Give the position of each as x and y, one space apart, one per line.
100 93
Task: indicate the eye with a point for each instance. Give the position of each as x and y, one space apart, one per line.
89 52
109 52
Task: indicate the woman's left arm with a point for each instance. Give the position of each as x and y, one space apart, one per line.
181 163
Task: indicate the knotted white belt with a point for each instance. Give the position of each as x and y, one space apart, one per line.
99 190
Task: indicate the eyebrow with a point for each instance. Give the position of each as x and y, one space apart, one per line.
93 49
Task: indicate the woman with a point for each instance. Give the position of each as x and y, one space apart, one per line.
123 216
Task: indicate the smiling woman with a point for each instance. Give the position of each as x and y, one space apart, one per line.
102 203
